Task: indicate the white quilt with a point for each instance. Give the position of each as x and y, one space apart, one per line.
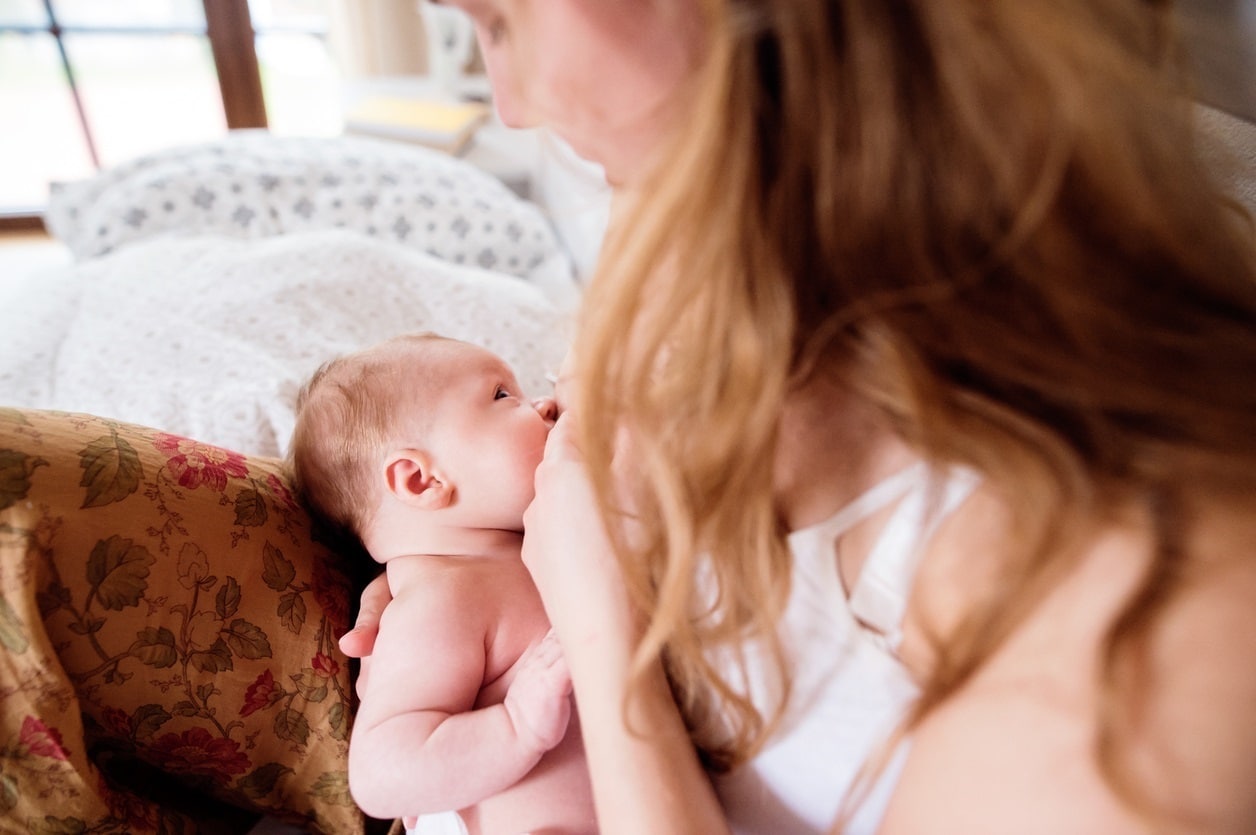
212 337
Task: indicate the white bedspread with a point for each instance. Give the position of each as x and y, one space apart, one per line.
211 337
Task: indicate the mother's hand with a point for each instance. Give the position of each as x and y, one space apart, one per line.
359 642
646 775
569 555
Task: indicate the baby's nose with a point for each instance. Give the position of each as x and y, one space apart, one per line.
546 407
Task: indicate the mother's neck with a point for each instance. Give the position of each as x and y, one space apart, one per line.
832 447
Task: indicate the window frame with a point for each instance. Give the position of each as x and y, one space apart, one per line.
232 41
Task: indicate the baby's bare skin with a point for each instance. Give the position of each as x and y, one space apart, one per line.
502 613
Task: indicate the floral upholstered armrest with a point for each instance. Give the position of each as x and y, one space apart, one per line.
168 625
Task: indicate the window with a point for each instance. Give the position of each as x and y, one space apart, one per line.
86 84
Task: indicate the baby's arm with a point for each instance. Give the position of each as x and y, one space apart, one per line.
418 745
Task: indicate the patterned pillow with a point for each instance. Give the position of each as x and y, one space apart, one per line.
168 623
252 184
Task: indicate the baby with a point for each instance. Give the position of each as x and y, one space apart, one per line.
425 449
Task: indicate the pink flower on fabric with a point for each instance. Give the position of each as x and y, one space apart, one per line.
116 721
193 464
41 740
325 665
258 694
280 491
199 752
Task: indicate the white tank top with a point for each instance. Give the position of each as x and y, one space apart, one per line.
850 690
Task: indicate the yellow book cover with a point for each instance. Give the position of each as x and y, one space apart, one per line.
444 125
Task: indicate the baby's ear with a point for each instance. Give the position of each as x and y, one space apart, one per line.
410 476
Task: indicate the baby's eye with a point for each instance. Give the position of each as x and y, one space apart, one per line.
500 392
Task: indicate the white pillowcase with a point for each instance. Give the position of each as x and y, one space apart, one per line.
252 184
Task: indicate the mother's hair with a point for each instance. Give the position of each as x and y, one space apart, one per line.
986 219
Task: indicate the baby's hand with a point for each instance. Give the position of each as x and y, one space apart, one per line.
539 699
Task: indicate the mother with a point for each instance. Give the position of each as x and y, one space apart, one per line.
910 463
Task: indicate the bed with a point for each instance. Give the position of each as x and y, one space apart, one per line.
168 610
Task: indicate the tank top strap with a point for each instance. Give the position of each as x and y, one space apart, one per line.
878 497
878 600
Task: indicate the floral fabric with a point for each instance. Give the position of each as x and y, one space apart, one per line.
168 659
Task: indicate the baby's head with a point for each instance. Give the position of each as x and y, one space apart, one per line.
418 423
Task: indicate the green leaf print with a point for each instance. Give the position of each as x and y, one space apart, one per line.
15 476
118 572
13 635
111 470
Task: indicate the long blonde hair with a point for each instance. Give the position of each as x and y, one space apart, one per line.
984 217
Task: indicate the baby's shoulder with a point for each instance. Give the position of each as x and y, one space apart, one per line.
423 571
445 582
434 587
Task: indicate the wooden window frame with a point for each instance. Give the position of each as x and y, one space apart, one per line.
233 42
229 28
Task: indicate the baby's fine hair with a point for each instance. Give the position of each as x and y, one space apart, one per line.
346 414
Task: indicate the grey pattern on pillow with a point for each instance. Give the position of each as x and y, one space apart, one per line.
252 184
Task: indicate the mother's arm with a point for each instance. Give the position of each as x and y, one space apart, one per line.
645 772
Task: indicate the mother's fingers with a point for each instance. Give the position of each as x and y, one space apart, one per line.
561 445
359 642
565 384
